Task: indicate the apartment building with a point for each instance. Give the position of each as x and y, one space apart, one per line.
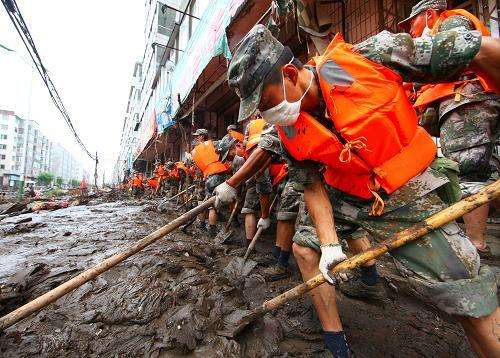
129 133
25 152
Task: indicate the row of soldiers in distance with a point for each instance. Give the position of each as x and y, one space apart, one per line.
341 137
166 178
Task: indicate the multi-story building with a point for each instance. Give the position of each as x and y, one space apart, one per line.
25 152
63 164
169 24
128 138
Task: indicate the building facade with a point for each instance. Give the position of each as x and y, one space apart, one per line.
25 152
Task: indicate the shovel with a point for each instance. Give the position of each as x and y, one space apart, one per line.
224 235
241 265
257 234
410 234
77 281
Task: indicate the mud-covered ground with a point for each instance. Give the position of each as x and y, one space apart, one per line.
172 298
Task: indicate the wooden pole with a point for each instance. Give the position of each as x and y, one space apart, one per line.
410 234
233 212
61 290
182 192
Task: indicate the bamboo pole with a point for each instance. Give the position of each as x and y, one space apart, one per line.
61 290
410 234
179 194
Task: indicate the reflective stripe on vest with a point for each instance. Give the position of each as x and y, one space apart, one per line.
236 135
432 93
206 158
278 172
377 125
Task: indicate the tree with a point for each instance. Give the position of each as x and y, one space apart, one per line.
45 178
75 183
59 181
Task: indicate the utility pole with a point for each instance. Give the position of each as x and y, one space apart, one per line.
95 173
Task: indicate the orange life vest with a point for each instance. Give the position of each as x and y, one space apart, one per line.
137 181
377 143
434 92
180 166
278 172
173 173
255 128
153 182
160 171
206 158
236 135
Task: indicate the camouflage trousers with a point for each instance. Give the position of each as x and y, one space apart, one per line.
261 185
443 266
468 135
290 200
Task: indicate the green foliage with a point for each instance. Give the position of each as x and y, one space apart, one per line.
55 192
74 183
59 181
45 178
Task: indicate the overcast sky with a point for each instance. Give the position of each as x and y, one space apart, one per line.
89 48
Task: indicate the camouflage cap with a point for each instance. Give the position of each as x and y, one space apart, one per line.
225 145
169 164
232 127
254 59
423 5
201 131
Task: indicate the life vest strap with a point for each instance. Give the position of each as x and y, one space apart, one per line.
345 155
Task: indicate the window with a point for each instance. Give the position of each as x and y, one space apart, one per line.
166 17
2 166
2 156
4 126
3 146
3 136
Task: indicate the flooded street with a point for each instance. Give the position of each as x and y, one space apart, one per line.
172 298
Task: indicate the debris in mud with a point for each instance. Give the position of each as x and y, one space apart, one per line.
24 227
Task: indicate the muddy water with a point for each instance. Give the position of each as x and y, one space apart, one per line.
172 298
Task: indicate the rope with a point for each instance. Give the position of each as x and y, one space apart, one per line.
346 155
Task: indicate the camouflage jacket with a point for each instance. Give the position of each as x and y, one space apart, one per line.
472 92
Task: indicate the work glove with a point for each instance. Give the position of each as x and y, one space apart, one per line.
264 223
224 194
331 255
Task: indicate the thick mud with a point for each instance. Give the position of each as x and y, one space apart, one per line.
173 298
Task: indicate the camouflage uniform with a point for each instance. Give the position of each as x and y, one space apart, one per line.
468 126
261 185
292 193
443 265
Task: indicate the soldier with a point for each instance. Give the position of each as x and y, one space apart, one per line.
467 112
258 189
336 114
211 160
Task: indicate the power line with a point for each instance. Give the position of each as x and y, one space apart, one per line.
22 29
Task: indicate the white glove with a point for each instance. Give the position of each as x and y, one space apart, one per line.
331 255
264 223
224 194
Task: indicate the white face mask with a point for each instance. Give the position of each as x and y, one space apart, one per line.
286 113
427 31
